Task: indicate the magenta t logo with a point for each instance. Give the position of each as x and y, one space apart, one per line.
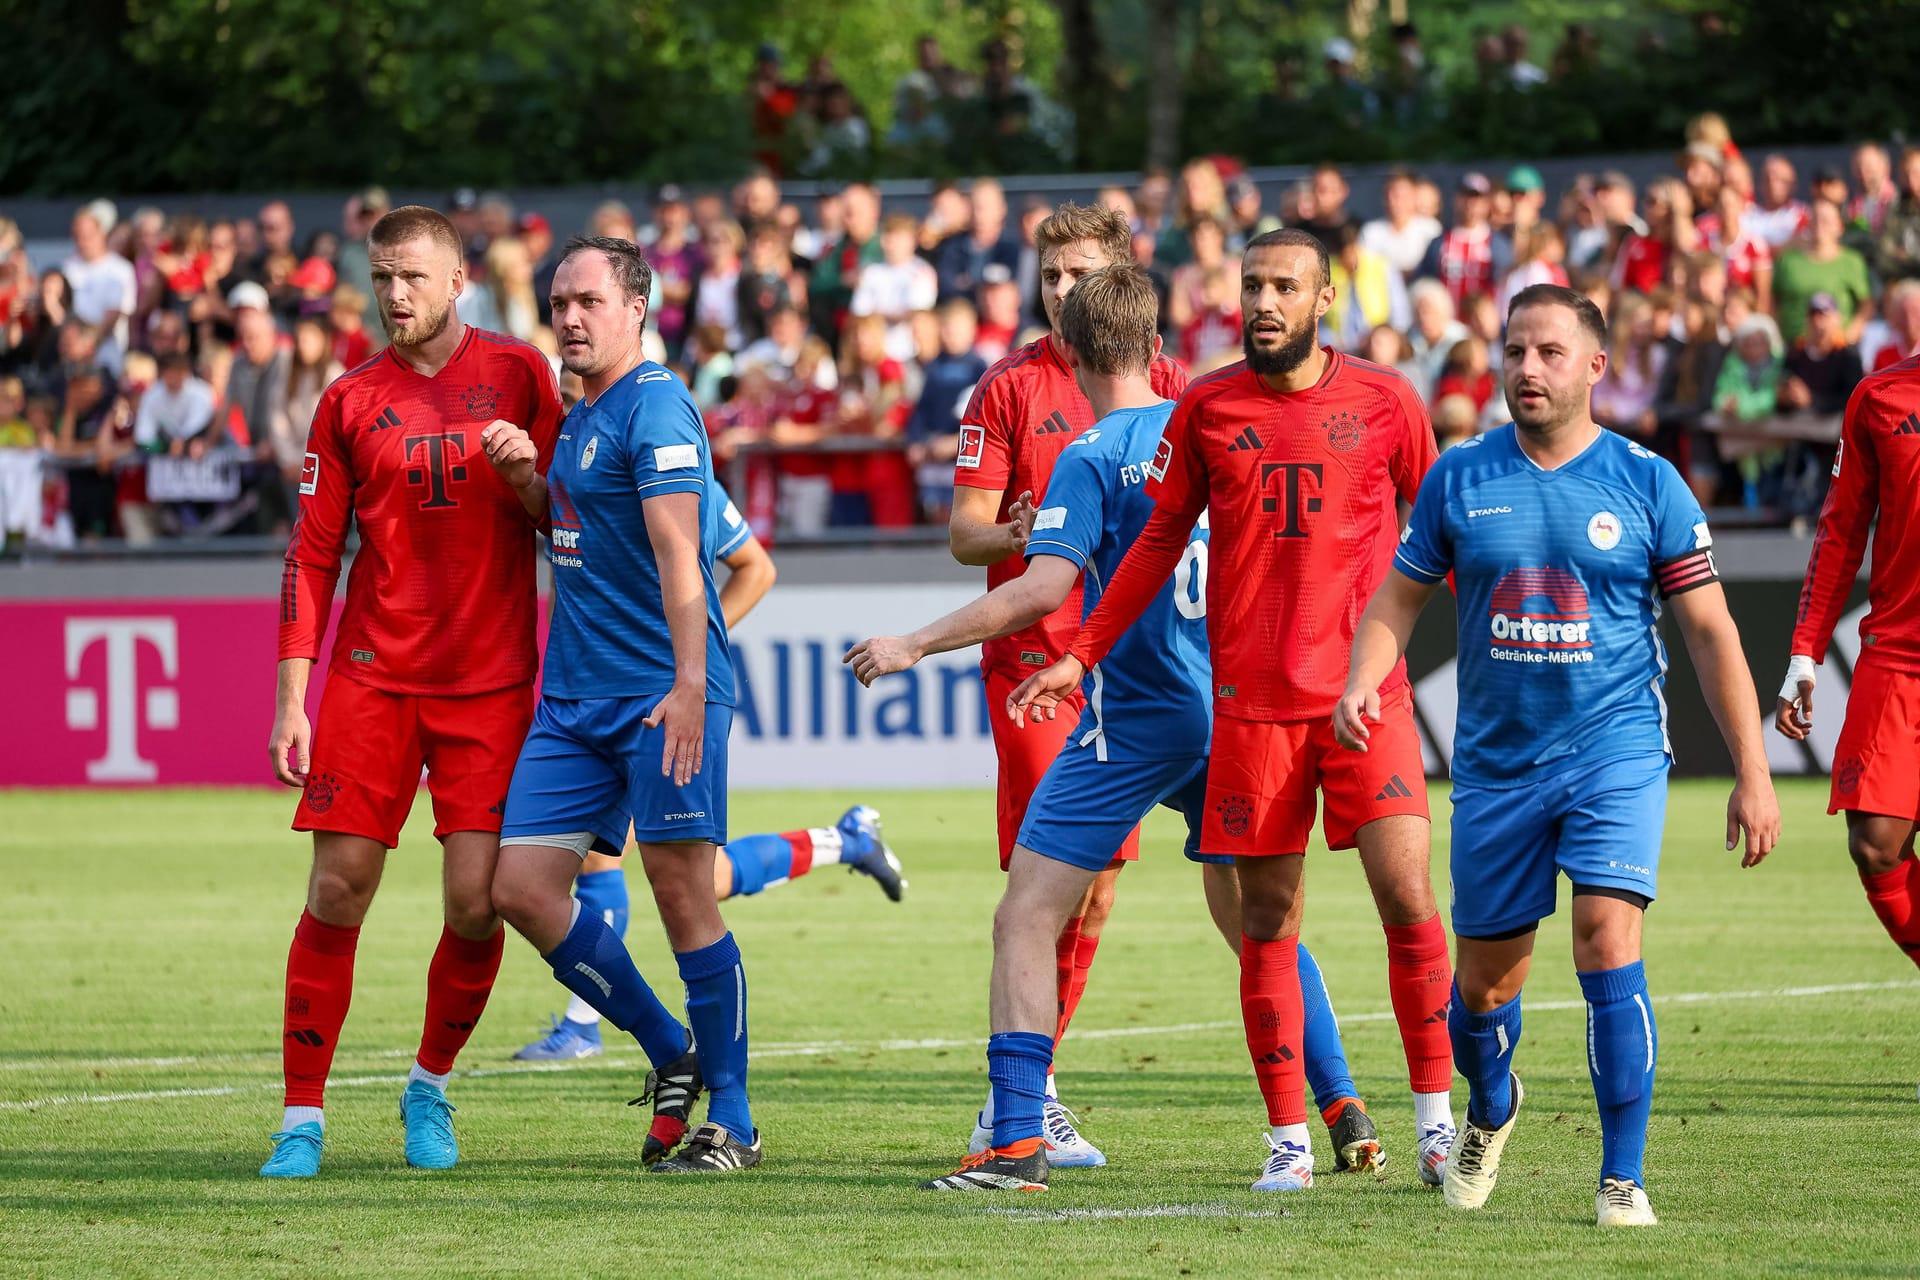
123 638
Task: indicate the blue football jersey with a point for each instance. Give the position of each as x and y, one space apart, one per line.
1559 576
642 439
1149 700
729 530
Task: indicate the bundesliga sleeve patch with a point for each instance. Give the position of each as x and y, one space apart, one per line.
973 447
310 473
1162 458
1050 518
732 516
676 457
1684 573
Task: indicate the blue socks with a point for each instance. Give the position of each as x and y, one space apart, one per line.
1621 1049
1017 1063
717 1008
1327 1072
593 963
758 861
604 894
1483 1045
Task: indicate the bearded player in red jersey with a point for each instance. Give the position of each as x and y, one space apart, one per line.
1876 762
1297 455
1025 412
433 665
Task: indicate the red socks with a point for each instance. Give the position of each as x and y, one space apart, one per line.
319 988
1275 1018
1073 959
1420 980
1895 897
458 983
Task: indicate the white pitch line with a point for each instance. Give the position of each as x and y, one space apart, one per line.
820 1048
1030 1216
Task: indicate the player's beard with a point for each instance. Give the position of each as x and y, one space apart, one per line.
1282 360
423 328
1557 412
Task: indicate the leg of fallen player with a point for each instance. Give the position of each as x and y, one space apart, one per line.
1272 895
1022 1013
1622 1046
1356 1144
1395 852
459 979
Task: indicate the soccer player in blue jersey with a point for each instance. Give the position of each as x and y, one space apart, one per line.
1565 542
1142 740
636 703
746 866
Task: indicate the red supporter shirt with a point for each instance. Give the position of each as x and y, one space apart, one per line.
1300 490
1023 415
1876 472
441 597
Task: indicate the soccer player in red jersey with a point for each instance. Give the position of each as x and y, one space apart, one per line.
1025 411
1876 762
1300 456
433 664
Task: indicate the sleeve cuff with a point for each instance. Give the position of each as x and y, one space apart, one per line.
671 484
1417 572
1051 547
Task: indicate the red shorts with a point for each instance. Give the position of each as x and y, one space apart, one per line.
369 747
1876 762
1262 778
1025 755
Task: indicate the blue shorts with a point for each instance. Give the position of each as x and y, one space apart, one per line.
1084 807
591 764
1601 825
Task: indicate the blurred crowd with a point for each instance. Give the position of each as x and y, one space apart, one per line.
161 381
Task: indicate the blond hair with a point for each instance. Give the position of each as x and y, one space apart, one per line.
1108 228
1109 318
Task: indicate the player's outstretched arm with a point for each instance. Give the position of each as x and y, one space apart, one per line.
1149 562
673 527
1713 642
1378 642
1010 606
290 749
974 532
515 456
750 575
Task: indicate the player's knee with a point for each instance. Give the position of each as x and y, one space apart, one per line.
513 898
338 898
1267 916
1483 993
472 915
1873 851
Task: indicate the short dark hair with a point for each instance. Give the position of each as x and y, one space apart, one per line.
175 360
1555 295
1109 318
410 222
1294 238
630 268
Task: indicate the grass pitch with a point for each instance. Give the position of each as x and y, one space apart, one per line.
145 935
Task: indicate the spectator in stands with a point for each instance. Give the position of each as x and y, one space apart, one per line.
676 262
1203 196
871 488
1685 396
1599 238
1027 276
1403 235
1368 292
708 364
1542 263
1899 240
933 429
898 285
843 145
1213 330
1874 191
20 482
176 410
1330 216
1526 192
257 391
948 214
1456 420
1899 338
1822 368
716 294
768 281
1471 257
1725 230
1521 74
1388 346
102 283
984 252
1436 330
87 401
310 369
352 269
352 344
836 272
773 102
1747 392
1645 258
1345 101
1186 287
1703 169
34 352
1000 320
1636 358
1824 265
1778 216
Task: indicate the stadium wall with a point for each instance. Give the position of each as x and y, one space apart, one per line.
162 674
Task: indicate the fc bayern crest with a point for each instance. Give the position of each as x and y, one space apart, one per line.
1235 814
321 790
483 401
586 455
1344 431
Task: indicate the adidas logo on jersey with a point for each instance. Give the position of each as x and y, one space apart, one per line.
1248 439
1055 424
1394 790
1909 426
387 418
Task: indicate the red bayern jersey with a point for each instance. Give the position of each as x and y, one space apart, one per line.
1302 491
441 598
1025 412
1876 472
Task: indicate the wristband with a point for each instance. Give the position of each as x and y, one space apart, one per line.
1800 670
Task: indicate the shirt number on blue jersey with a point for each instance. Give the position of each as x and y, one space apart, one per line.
1190 582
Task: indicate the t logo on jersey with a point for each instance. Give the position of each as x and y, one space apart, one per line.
973 447
1524 631
441 453
1290 500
